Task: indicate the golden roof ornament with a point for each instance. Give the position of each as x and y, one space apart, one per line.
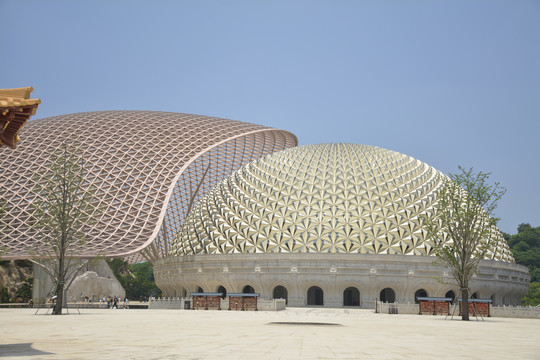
16 107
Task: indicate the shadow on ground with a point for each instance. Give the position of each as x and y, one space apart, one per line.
23 349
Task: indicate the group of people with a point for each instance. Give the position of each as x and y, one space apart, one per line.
113 301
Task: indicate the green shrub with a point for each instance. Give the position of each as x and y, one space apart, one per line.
533 296
4 296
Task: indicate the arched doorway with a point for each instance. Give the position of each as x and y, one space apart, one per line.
351 297
315 296
419 293
248 290
388 295
281 293
450 294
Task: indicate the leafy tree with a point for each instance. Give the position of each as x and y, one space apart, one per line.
143 284
525 246
462 225
136 279
119 267
533 296
524 227
63 211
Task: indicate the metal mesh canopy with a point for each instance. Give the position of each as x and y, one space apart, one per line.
145 166
328 198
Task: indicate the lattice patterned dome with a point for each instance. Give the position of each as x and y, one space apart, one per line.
328 198
146 167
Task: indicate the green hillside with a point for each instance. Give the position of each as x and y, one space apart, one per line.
525 246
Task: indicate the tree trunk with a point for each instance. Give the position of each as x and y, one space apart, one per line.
59 298
59 288
464 304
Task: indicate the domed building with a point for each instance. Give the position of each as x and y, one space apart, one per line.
147 168
326 225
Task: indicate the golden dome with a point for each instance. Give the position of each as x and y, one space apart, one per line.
327 198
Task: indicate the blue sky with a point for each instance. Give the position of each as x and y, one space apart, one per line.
448 82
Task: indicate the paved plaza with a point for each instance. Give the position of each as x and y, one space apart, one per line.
296 333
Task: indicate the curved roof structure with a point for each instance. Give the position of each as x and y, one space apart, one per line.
329 198
148 168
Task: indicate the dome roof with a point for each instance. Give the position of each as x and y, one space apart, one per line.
327 198
145 168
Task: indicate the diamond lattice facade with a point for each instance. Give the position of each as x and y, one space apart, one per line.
335 198
147 168
321 212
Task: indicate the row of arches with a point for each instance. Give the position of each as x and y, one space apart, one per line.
388 295
221 289
351 295
279 292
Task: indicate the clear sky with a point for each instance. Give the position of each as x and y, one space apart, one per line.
448 82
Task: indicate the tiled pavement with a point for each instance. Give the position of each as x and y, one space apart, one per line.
296 333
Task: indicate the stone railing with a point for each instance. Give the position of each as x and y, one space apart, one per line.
271 304
181 303
528 312
169 303
396 308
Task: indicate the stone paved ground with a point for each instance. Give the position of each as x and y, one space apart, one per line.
177 334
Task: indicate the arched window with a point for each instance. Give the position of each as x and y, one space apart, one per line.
474 295
221 289
248 290
351 297
200 289
388 295
281 293
419 293
450 294
315 296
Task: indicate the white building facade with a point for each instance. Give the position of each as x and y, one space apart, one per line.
327 225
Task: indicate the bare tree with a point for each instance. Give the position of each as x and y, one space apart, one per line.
63 212
462 225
